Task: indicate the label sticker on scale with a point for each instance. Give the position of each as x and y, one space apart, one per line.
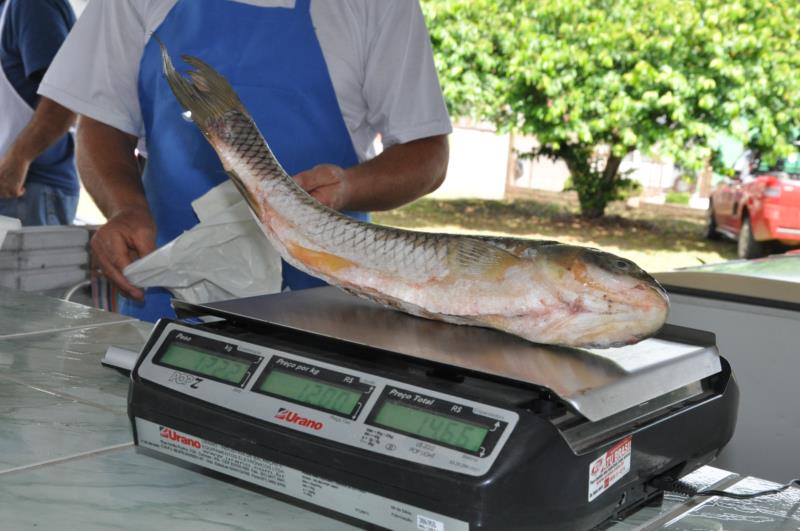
357 504
610 467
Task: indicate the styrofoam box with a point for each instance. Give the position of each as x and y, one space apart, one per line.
45 258
43 279
45 237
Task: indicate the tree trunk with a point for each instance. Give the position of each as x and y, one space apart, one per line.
511 164
612 167
595 188
591 208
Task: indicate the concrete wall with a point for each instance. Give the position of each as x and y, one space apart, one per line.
654 175
478 165
538 174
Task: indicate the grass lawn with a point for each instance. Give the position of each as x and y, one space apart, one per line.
658 238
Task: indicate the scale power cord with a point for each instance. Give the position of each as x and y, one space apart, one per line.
669 484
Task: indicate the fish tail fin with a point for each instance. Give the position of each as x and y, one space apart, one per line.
206 95
210 99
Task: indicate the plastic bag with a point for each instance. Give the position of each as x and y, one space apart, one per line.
225 256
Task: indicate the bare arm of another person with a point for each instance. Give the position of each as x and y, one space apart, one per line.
110 172
397 176
50 122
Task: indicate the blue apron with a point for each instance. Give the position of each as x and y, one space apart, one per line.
273 59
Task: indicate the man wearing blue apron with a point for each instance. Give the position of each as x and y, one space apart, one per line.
38 182
321 79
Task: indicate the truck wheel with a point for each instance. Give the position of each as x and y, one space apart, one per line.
710 232
747 246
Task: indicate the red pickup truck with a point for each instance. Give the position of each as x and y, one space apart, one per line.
759 208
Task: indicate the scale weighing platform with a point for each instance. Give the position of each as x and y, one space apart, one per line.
391 421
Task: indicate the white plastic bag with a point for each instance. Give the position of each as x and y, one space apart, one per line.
225 256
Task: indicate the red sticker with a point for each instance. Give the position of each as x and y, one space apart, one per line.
610 467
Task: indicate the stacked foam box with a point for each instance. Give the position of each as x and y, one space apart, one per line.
44 259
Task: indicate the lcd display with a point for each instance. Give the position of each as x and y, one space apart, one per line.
427 425
311 391
212 365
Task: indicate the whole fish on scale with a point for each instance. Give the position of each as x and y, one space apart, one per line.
543 291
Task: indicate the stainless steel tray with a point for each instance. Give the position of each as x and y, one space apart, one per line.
597 383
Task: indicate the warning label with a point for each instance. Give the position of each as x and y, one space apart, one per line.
609 468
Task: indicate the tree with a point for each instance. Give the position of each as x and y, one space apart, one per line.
594 80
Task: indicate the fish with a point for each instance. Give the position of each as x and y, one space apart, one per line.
542 291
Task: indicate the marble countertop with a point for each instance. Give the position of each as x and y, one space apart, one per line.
67 459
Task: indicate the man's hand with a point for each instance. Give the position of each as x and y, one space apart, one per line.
50 122
327 183
107 163
13 170
399 175
128 235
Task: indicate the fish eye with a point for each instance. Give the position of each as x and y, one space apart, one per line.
622 264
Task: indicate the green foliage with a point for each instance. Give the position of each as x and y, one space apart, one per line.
594 80
677 198
472 55
627 188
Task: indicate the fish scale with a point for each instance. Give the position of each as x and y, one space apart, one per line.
541 291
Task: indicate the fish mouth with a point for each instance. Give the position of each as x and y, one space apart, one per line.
654 295
615 329
636 313
646 313
631 315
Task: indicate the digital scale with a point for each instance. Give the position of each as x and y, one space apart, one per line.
385 420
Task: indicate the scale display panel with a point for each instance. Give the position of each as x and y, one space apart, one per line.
329 401
310 392
202 356
311 385
214 365
431 426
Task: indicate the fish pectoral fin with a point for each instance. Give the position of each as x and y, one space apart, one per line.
320 261
478 258
252 202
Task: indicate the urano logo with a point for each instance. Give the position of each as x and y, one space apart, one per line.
172 435
293 418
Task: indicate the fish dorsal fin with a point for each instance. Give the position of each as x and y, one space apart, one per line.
479 258
519 247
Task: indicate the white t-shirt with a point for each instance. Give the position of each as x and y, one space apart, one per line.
378 55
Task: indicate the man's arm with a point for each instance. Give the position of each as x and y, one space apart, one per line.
399 175
50 122
110 172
